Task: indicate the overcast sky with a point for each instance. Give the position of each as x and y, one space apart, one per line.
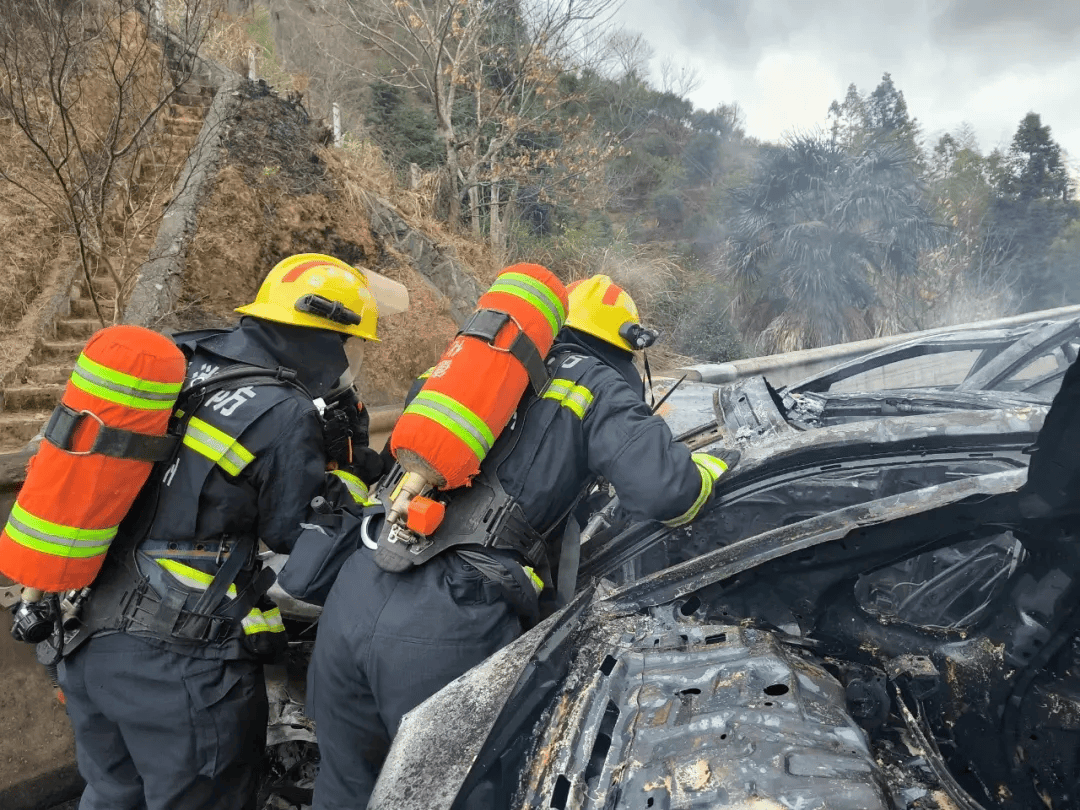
985 62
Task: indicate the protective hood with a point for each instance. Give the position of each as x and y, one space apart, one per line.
620 360
316 355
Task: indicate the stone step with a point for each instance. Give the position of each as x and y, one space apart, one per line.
16 429
48 375
60 350
174 126
84 308
191 119
193 100
31 397
170 139
189 116
104 286
193 112
76 328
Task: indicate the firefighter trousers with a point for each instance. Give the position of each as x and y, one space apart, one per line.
155 729
386 642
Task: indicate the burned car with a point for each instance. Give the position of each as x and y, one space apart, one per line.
862 619
971 369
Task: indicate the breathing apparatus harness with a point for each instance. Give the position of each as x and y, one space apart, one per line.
483 515
127 599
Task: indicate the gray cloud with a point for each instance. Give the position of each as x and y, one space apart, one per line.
1058 20
983 61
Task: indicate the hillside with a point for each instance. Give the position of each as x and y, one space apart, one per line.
283 191
280 190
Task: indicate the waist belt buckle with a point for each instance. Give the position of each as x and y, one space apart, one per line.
219 628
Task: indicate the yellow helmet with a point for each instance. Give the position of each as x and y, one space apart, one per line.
603 309
320 292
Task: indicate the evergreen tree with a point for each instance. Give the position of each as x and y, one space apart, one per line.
1034 169
405 131
818 229
1029 219
880 114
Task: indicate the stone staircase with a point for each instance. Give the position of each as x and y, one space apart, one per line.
25 404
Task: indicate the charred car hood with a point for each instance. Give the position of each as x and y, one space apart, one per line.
794 666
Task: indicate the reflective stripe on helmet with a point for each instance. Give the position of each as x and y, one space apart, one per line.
456 418
537 294
577 398
123 389
56 539
218 446
256 621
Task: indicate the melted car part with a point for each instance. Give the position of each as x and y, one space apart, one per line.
688 715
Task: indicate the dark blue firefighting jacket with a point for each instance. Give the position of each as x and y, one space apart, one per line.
590 421
250 463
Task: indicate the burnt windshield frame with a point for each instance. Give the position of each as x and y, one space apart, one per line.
602 561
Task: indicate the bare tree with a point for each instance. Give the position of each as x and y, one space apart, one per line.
678 79
626 54
501 58
84 82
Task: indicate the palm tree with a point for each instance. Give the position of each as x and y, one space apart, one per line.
818 231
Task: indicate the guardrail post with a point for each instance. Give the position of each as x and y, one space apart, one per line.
157 13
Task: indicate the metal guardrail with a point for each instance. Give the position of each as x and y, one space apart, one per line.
790 367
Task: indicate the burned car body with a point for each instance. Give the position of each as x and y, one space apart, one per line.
862 619
980 369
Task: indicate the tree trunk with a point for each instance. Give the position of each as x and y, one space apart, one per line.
495 234
475 199
455 185
444 131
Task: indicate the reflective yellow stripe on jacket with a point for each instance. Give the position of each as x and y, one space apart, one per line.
576 398
216 445
357 488
256 621
710 468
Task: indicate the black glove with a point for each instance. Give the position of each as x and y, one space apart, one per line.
367 465
345 428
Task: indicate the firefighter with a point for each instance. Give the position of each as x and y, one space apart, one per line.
1053 481
387 641
164 681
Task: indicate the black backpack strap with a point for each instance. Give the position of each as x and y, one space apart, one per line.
108 441
486 324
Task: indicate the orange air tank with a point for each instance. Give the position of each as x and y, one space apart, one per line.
67 513
451 424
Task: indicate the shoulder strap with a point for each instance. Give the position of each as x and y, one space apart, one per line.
486 324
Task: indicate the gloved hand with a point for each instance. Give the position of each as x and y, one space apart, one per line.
345 429
367 465
717 463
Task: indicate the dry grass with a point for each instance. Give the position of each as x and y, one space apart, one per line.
362 170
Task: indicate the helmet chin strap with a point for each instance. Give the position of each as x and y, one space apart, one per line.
641 338
648 376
